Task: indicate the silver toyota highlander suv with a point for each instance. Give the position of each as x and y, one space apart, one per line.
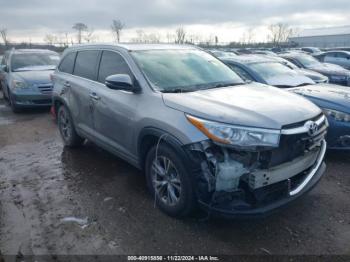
201 134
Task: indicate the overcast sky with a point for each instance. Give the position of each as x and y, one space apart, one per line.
227 19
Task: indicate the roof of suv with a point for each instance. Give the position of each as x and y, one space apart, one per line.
22 51
135 46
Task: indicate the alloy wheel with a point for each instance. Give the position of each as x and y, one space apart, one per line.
166 180
65 125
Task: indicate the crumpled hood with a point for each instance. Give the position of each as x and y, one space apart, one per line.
254 105
326 95
326 68
289 80
34 77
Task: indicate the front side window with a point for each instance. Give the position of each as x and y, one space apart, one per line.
111 64
184 70
67 63
33 61
86 64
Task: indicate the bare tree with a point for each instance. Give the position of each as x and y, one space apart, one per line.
50 39
3 34
117 27
170 37
152 38
80 27
250 36
89 36
142 37
279 33
64 39
139 36
180 35
216 40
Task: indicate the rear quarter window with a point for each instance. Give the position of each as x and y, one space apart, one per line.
67 63
86 64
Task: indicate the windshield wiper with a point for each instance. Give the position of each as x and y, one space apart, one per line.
225 85
177 90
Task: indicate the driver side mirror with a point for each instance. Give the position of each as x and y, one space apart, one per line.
121 82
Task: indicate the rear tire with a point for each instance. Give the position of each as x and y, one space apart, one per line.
67 129
169 182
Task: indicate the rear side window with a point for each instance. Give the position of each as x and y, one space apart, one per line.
111 64
85 64
332 55
67 63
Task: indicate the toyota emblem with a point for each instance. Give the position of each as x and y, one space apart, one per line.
312 127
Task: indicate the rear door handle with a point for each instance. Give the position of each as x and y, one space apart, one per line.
94 96
66 84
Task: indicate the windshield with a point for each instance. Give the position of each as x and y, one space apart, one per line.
270 70
184 70
308 61
26 61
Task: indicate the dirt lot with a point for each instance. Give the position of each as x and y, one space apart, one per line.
45 187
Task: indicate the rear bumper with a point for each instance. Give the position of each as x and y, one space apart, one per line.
31 100
308 182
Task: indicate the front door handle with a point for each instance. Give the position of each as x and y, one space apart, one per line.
66 84
94 96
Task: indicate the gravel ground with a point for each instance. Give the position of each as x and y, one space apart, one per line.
55 200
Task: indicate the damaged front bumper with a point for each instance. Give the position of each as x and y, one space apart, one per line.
261 190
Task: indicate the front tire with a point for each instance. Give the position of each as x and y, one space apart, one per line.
169 181
15 109
67 129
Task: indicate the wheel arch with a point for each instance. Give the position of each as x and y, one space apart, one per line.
151 136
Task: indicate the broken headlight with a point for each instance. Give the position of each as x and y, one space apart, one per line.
337 115
236 135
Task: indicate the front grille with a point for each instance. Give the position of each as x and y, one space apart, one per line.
296 144
271 193
45 89
301 123
42 102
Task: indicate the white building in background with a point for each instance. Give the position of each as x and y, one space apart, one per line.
323 37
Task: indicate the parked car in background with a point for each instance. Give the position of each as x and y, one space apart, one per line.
336 74
341 58
333 99
311 50
220 53
316 77
200 132
1 75
264 52
25 77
